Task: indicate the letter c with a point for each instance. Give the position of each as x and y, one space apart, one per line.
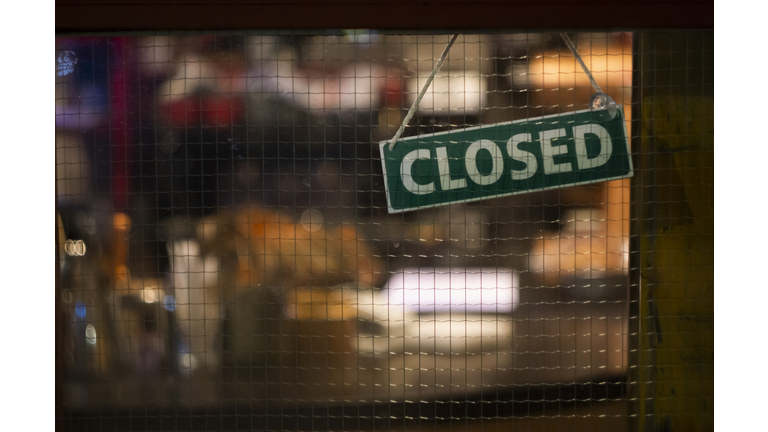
407 177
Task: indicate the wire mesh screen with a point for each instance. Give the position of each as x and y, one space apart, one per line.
241 248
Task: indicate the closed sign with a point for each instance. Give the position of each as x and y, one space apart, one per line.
505 159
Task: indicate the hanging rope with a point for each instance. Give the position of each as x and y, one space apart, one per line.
575 53
423 91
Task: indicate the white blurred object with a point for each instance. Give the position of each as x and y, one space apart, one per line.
435 290
198 310
196 73
193 74
354 87
438 311
450 93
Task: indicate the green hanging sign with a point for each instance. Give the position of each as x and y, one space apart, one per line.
492 161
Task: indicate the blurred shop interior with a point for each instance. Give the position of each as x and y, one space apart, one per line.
225 239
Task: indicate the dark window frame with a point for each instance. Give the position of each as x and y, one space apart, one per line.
202 15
